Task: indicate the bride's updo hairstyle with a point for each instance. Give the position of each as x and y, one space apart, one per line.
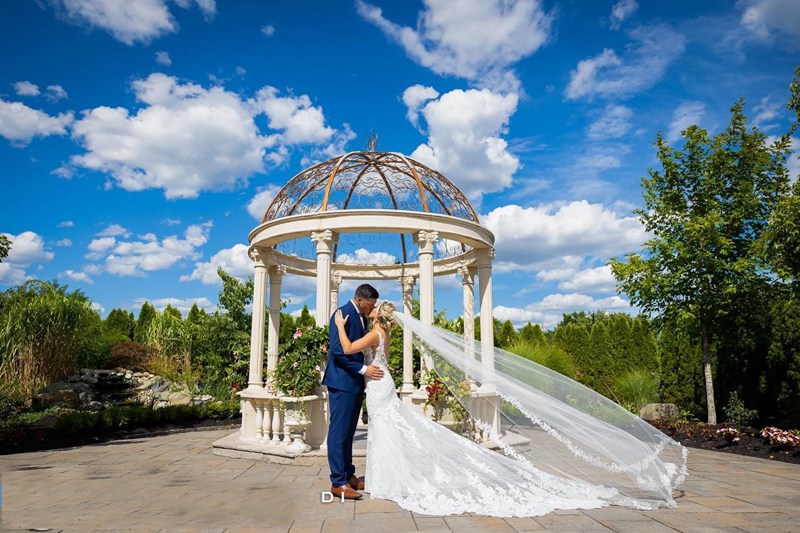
386 317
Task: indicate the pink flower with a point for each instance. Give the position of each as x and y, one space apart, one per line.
324 348
298 333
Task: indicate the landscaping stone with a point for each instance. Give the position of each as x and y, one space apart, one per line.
659 411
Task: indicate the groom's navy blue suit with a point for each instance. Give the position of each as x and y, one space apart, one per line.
345 394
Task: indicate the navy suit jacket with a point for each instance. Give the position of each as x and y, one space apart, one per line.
342 372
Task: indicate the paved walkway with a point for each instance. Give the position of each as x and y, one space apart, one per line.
176 483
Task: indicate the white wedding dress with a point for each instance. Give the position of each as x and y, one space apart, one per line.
428 469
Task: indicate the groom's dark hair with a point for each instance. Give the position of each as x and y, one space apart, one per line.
366 291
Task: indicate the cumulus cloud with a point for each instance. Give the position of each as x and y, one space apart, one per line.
526 237
464 140
621 11
268 30
128 22
474 39
162 58
549 311
362 256
184 305
137 257
214 142
613 123
591 280
764 18
20 123
81 277
27 248
257 207
63 243
652 50
686 114
26 88
114 230
414 97
55 93
66 224
234 261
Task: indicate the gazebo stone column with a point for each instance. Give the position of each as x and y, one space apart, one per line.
276 273
467 274
426 240
256 374
323 240
407 284
336 282
490 406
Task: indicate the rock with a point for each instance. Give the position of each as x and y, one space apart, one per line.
95 406
90 380
75 378
653 412
180 398
64 397
200 400
128 375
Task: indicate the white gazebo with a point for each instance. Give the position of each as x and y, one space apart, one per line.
362 216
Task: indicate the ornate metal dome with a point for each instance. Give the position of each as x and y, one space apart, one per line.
370 180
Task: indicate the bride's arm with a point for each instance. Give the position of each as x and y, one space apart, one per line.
356 346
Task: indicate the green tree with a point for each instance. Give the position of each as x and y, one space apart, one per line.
533 334
706 210
644 347
173 311
620 336
506 336
573 338
305 319
5 246
146 315
601 362
196 315
681 363
234 298
783 361
119 321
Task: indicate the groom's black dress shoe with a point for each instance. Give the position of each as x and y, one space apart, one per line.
356 483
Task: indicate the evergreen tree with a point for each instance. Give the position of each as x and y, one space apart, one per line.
783 362
119 321
681 368
506 336
600 361
573 338
619 334
173 311
196 315
533 334
234 297
305 319
644 348
146 315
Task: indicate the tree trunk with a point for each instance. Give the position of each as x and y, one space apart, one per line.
712 408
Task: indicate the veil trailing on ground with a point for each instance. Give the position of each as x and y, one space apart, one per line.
552 423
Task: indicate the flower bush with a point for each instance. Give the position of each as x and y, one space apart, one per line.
731 435
780 437
298 370
438 395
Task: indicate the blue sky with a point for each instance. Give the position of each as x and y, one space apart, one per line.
142 141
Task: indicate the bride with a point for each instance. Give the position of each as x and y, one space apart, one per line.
566 447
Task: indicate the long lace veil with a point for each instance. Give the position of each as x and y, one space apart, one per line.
552 423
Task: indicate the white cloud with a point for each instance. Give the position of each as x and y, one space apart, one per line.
184 305
98 308
301 121
162 58
82 277
687 114
26 88
114 230
66 224
27 248
766 111
592 280
63 242
613 123
362 256
474 39
600 158
55 93
214 142
621 11
528 236
268 30
257 207
464 140
764 18
234 261
135 258
644 63
128 22
414 97
20 123
549 311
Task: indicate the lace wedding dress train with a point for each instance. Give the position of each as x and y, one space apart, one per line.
428 469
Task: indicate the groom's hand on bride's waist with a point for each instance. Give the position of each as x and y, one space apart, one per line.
374 372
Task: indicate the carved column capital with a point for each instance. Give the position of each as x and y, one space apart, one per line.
485 257
407 283
336 281
467 274
276 273
323 240
426 240
259 256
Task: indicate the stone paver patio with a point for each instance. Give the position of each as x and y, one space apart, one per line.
176 483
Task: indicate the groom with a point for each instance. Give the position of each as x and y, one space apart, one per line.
344 377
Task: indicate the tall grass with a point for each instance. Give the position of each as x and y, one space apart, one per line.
637 388
552 357
170 339
43 331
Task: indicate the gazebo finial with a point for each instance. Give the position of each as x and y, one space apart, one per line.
373 141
